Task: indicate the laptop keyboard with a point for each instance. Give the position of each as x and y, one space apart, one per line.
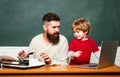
95 65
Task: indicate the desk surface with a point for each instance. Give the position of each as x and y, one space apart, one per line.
59 70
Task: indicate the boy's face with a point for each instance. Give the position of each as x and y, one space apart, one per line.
80 35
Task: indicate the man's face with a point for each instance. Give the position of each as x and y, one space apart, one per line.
52 31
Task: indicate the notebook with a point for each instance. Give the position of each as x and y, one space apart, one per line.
107 55
32 64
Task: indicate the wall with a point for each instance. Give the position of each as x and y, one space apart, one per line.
20 20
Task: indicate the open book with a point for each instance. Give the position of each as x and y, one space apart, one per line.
7 59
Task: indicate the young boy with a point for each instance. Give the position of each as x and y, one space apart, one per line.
81 47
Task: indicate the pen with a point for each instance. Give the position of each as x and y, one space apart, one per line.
30 53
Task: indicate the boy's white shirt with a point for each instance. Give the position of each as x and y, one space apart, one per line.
97 54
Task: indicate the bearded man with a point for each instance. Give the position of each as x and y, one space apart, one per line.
49 46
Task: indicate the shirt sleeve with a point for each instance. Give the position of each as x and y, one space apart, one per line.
32 48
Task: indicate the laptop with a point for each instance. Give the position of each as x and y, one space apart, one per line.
107 55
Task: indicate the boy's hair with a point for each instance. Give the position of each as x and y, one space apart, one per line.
81 24
50 17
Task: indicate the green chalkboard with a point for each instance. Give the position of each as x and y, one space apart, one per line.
20 20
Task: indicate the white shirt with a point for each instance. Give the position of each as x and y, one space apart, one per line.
58 53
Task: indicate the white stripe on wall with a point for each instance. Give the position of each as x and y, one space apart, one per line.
14 50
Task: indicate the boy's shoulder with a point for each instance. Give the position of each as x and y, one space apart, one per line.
91 39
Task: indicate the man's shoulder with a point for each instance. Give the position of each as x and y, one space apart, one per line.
62 37
37 36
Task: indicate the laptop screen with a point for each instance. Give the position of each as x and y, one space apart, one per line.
108 53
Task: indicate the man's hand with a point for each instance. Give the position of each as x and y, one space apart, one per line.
45 57
22 54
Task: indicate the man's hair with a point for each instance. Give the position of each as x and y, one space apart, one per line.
50 17
81 24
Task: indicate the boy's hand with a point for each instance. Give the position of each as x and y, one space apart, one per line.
78 53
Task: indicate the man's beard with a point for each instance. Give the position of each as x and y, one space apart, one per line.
53 38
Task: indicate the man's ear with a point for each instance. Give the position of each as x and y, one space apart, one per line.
45 27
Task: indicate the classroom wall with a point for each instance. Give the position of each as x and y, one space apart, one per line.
20 20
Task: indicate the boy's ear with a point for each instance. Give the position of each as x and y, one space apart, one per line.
86 32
